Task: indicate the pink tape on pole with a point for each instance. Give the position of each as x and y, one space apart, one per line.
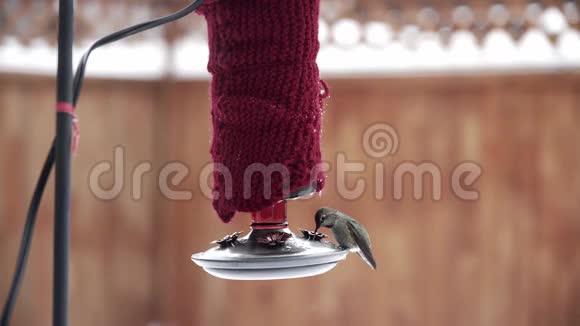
65 108
69 108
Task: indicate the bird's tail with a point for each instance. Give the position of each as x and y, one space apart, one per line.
368 258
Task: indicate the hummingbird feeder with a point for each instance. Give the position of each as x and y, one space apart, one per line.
270 251
267 103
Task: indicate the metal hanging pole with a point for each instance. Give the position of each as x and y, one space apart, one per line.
64 113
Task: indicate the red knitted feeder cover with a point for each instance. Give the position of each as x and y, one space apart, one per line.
266 100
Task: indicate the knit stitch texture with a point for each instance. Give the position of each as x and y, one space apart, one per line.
266 102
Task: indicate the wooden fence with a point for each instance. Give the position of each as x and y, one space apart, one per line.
511 257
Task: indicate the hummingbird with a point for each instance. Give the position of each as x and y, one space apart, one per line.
348 232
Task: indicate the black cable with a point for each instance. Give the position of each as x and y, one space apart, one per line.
49 162
27 235
80 73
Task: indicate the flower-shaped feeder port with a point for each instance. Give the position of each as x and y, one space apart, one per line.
274 238
270 251
230 240
313 236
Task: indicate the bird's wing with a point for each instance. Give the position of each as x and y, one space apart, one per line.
365 250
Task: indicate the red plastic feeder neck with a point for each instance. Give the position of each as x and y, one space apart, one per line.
273 217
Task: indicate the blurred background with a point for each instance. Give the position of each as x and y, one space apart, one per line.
494 83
